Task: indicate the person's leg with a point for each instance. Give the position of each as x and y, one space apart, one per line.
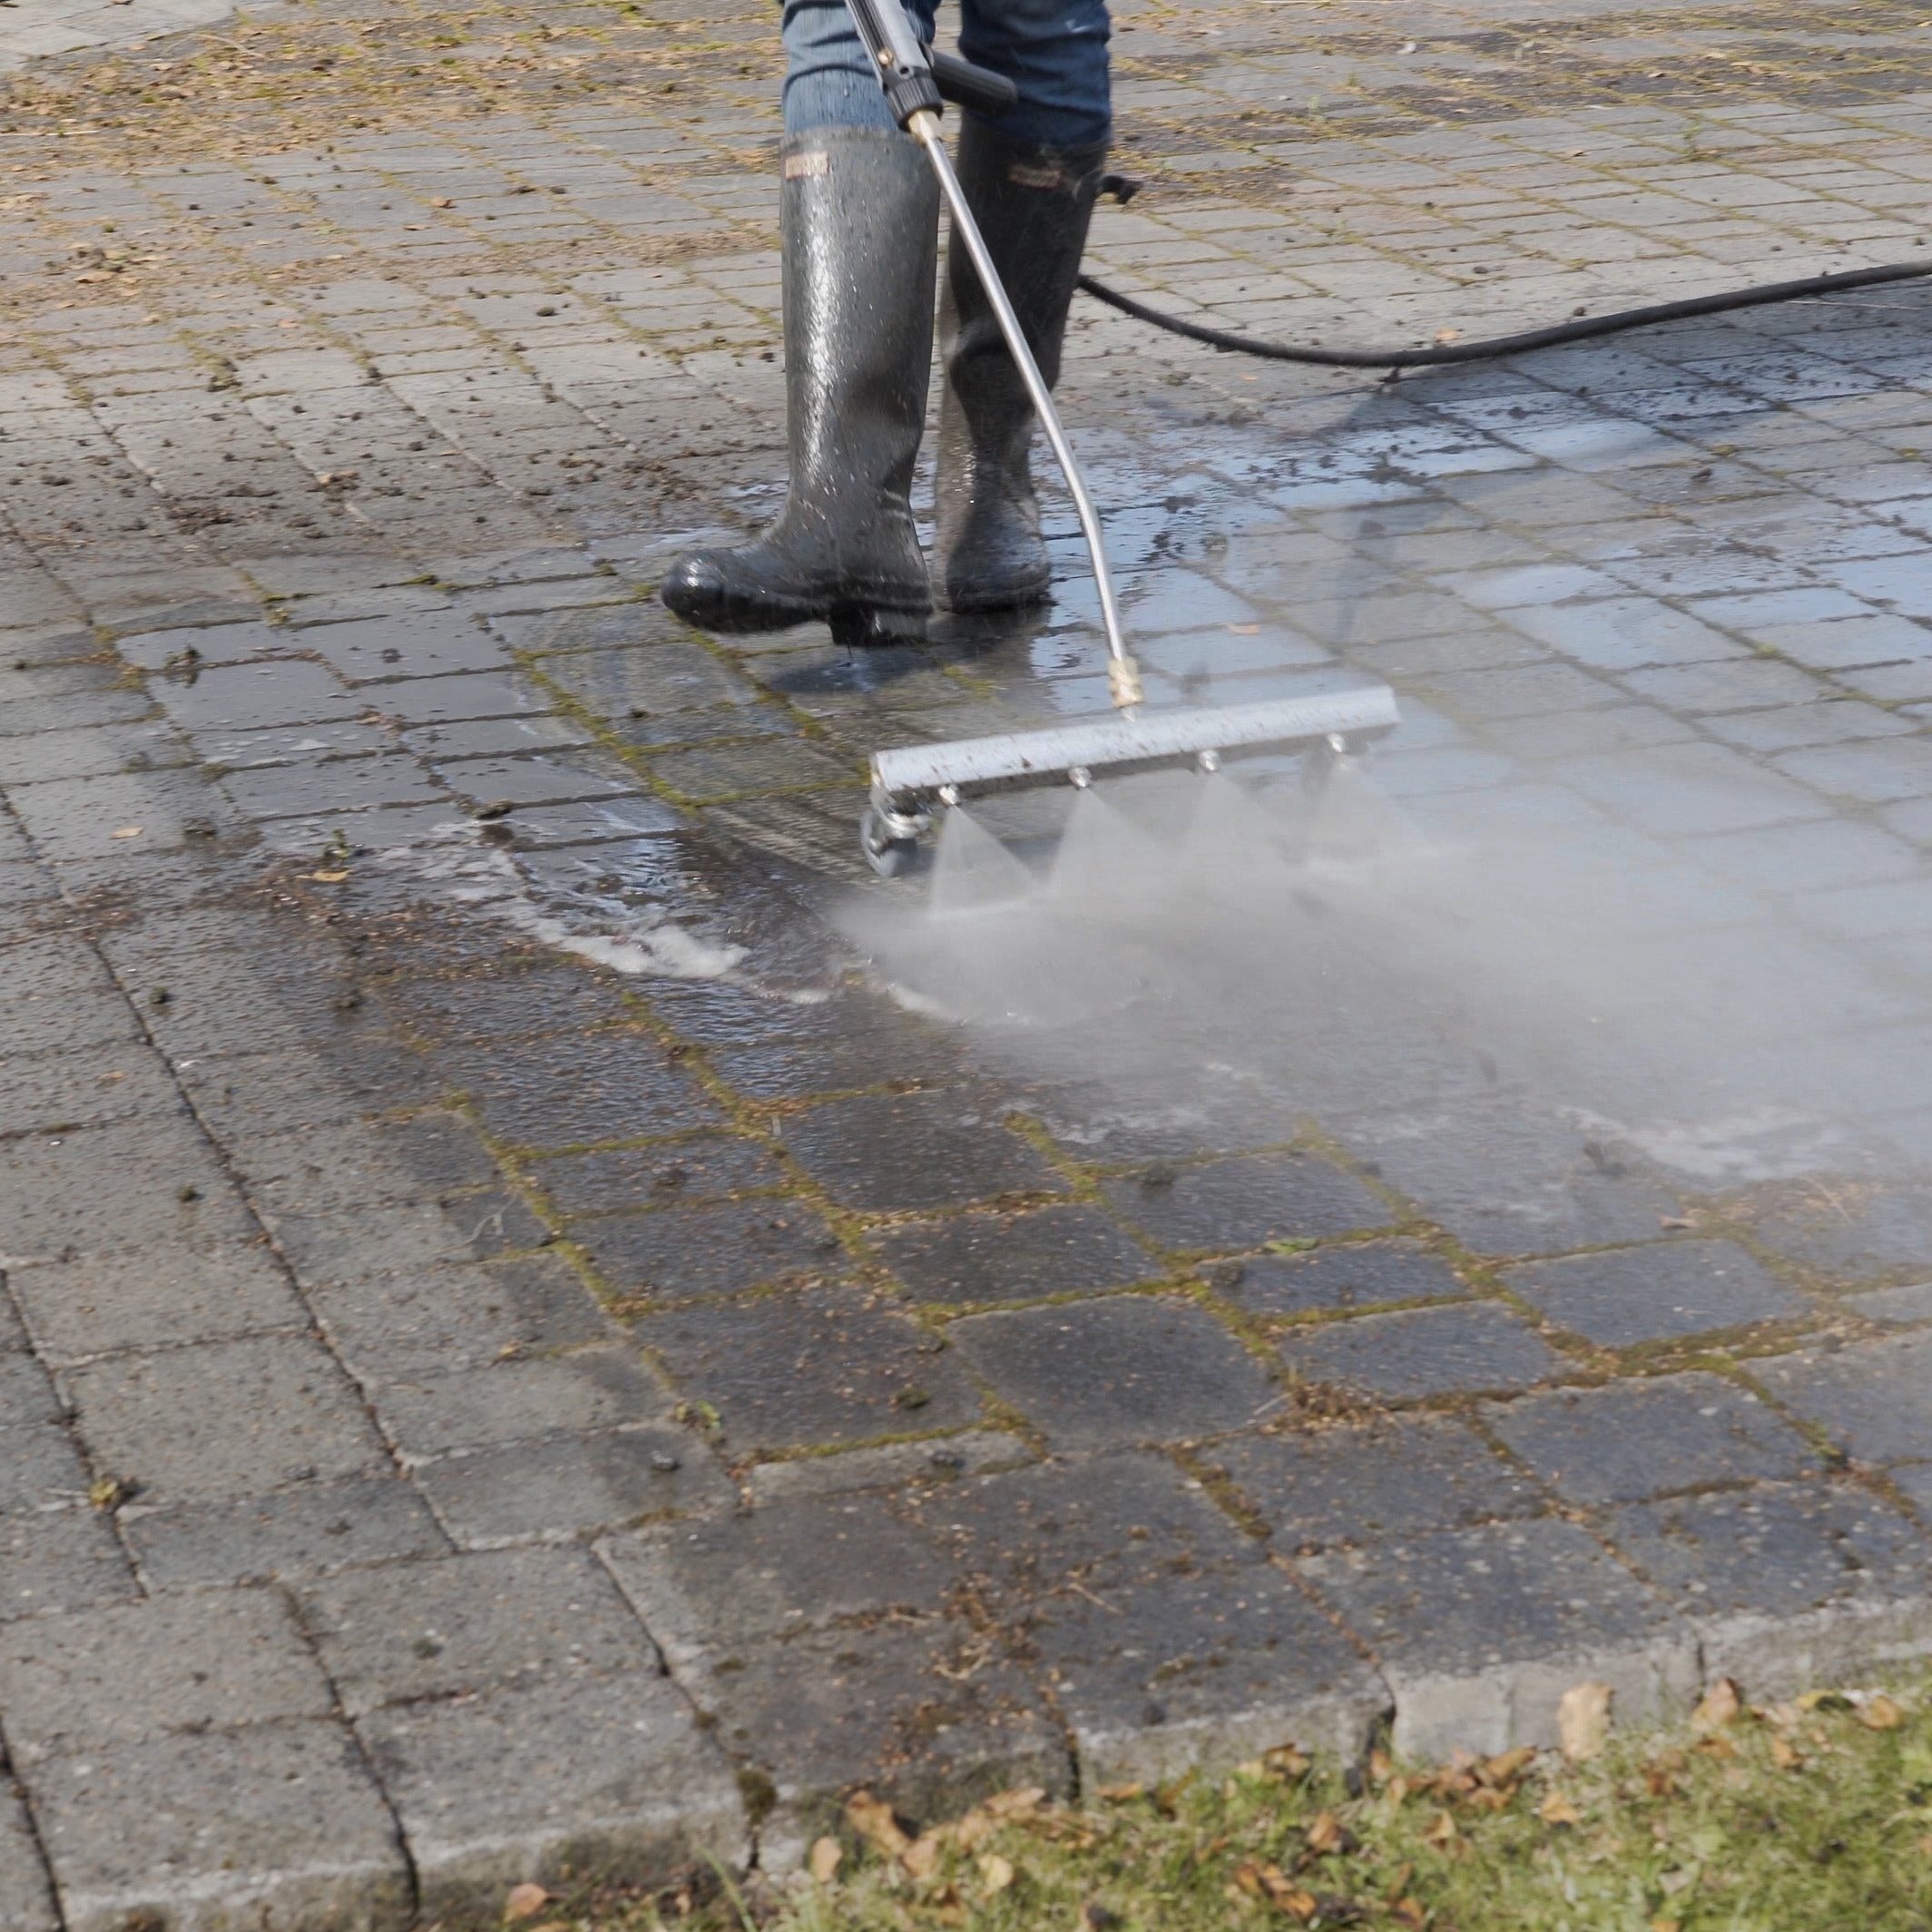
1031 177
858 215
828 78
1056 53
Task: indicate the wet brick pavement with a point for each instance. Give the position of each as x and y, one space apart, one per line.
482 1403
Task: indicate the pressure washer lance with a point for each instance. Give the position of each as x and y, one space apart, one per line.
908 783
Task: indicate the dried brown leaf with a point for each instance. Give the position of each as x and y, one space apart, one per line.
1003 1807
825 1858
996 1873
1508 1767
1582 1720
1260 1880
523 1901
1722 1705
975 1829
1557 1810
871 1818
921 1857
1020 1802
1880 1713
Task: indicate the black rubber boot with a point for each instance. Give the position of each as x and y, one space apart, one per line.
859 217
1033 205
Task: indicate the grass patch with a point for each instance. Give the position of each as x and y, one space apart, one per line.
1812 1816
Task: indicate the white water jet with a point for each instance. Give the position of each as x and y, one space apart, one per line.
1222 942
973 872
1101 850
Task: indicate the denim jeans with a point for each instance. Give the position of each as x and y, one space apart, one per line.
1054 51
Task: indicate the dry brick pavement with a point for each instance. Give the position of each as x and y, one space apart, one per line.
472 1414
34 29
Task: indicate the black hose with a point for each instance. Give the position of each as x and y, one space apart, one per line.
1579 330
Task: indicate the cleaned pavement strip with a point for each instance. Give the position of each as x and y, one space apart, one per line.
483 1400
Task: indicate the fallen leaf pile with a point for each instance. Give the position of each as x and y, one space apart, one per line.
918 1855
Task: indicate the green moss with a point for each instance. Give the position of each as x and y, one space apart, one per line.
760 1794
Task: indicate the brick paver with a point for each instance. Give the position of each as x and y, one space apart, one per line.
551 1370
